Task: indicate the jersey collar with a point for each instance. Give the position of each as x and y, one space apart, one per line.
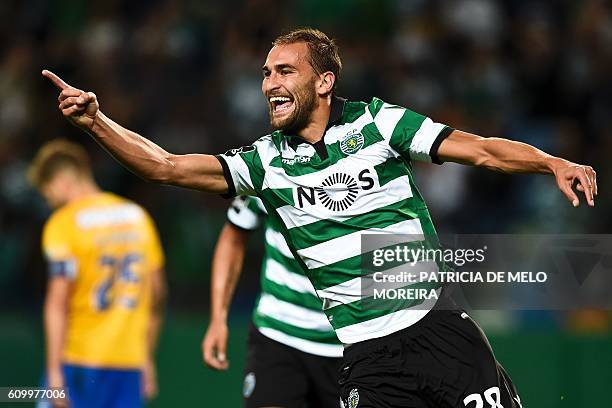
335 117
337 109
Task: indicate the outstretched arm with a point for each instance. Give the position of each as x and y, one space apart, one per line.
515 157
140 155
226 267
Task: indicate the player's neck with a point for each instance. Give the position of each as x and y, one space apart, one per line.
82 190
315 129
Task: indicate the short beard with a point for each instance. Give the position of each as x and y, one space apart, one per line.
305 100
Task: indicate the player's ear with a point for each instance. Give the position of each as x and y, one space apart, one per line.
326 83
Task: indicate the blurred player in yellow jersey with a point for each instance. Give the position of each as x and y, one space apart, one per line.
106 286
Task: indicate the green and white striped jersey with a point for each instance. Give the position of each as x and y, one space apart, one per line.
356 180
288 309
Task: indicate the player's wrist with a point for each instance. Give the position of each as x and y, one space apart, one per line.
96 127
554 164
55 377
219 320
219 315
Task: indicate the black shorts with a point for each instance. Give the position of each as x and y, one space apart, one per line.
442 361
277 375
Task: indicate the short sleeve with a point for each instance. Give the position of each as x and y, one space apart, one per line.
243 170
246 213
412 135
58 248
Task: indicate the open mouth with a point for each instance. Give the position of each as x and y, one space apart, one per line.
280 104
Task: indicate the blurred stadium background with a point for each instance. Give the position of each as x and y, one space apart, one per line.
187 75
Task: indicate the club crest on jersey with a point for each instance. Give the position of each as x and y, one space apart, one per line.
352 142
353 398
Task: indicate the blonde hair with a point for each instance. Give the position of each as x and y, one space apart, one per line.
55 156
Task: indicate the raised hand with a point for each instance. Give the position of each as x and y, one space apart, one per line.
79 107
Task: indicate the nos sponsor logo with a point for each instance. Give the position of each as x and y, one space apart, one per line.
337 192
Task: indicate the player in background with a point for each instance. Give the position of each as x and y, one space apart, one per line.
106 288
332 171
293 355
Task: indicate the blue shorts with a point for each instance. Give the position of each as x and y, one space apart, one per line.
102 388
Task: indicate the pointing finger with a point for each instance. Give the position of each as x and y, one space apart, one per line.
57 81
